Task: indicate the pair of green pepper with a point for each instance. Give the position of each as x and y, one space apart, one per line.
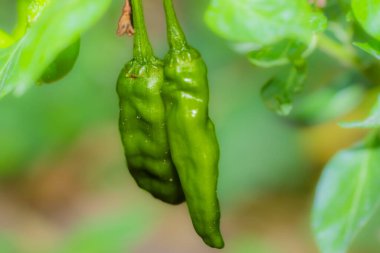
143 121
169 140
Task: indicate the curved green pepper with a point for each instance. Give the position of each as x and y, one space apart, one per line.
192 137
142 119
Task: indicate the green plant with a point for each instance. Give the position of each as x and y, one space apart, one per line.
191 133
282 36
28 13
62 64
23 63
278 34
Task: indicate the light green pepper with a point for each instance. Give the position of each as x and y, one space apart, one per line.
192 137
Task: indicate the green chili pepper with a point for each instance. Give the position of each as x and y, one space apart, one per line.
191 133
142 118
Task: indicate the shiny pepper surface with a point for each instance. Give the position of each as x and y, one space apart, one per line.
142 119
192 137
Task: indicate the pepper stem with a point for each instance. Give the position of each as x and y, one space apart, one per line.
142 50
176 37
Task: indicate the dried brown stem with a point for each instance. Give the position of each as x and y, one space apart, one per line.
125 21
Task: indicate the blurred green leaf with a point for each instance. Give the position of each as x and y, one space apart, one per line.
59 25
48 119
7 245
264 22
368 238
335 10
373 120
329 102
115 233
279 53
371 47
347 195
35 8
367 14
278 93
22 19
5 39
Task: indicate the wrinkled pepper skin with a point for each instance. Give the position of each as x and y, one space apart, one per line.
192 137
142 119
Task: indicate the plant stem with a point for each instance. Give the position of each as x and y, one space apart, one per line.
176 37
346 57
142 50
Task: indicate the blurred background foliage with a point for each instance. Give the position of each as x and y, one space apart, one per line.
64 186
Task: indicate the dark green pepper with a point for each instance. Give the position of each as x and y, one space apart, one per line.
191 133
142 118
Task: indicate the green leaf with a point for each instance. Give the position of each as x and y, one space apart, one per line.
59 25
280 53
336 10
370 47
347 195
5 39
366 13
372 121
278 92
22 19
270 56
264 22
335 99
35 8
